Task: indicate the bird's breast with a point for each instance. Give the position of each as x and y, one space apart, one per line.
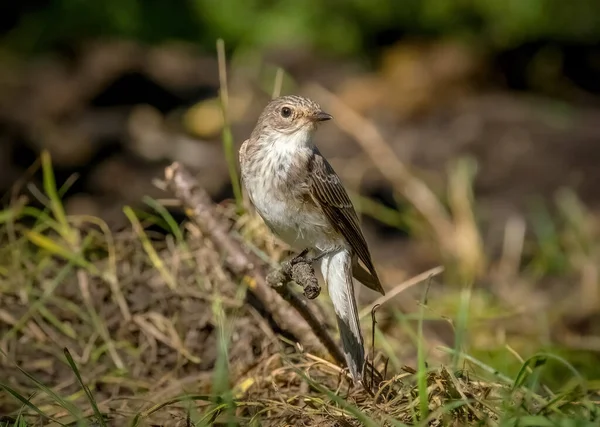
282 199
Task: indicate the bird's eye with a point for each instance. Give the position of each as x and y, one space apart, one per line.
286 112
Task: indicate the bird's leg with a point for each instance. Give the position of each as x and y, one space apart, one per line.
301 257
286 266
318 257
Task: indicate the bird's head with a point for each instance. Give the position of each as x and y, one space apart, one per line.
292 118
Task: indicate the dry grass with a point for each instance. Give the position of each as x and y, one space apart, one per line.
160 334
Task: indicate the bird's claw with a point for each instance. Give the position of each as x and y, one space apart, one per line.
299 270
301 257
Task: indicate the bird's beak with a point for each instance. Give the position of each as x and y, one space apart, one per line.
321 116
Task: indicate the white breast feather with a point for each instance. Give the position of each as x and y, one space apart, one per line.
298 227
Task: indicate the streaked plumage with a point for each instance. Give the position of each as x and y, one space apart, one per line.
302 200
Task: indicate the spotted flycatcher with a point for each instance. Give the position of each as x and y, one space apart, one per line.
302 200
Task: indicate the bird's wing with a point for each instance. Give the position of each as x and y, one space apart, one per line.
329 194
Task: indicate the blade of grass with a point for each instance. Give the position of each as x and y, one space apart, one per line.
421 364
167 217
228 147
531 363
211 415
98 323
56 206
68 406
11 213
64 328
56 249
582 382
221 381
382 213
109 274
26 402
462 324
43 220
88 393
556 402
149 249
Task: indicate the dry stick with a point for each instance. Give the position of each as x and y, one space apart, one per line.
373 323
401 288
306 328
390 166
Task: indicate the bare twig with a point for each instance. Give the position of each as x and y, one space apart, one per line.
302 323
373 323
401 288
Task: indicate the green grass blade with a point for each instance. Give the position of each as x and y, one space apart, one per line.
462 322
228 146
221 378
26 402
422 365
56 249
55 201
88 393
68 406
11 213
149 248
533 362
167 217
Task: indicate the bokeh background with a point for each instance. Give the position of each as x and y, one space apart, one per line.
493 104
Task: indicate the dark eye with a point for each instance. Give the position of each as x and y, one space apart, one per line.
286 112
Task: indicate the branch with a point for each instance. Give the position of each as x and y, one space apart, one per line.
301 323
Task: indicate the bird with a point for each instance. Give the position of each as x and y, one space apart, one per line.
302 201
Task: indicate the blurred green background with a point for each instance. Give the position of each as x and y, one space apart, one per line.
528 42
336 26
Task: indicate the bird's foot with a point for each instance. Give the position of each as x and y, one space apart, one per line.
303 258
300 270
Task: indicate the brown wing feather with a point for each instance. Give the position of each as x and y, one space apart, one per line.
330 195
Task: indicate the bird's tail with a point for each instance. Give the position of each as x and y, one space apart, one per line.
336 268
